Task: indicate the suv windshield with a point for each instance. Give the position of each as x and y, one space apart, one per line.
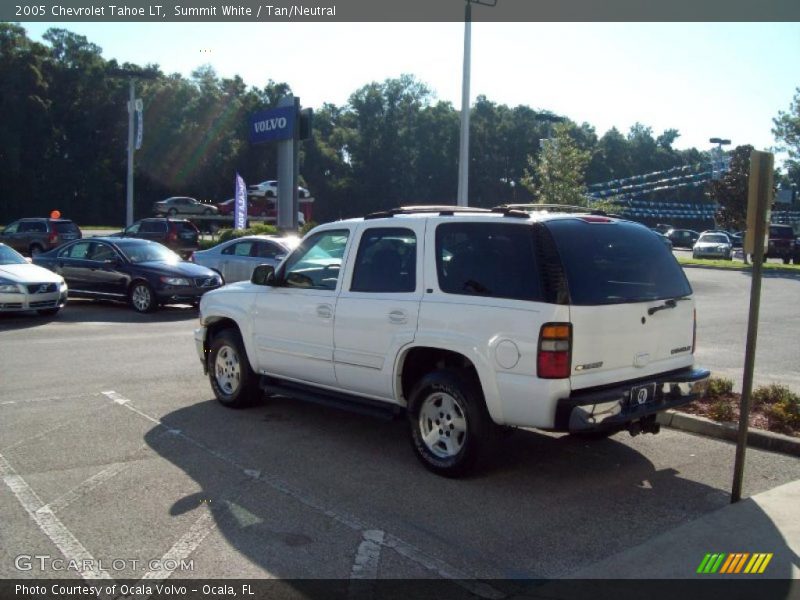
785 232
714 238
616 262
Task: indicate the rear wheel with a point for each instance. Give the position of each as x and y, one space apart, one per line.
207 212
35 250
142 298
450 426
234 383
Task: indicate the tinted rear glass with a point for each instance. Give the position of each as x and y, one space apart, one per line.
487 259
615 263
185 227
65 227
781 232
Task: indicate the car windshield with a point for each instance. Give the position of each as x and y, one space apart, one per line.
714 238
139 253
11 257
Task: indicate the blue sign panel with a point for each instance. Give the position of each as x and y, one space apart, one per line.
272 125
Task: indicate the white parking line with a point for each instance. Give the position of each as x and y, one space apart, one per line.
181 549
86 486
50 525
365 566
47 432
440 567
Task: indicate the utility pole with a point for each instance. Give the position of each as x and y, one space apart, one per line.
129 196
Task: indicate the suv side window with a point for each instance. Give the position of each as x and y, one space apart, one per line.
386 261
33 226
316 262
12 228
497 260
153 227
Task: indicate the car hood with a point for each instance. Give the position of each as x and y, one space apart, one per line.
187 269
29 273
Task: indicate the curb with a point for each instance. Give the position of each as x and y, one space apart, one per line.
756 438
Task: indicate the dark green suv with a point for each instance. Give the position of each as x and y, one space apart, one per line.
35 235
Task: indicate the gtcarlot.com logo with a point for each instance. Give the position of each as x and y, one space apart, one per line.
736 563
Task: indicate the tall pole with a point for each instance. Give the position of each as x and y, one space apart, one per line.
463 154
129 202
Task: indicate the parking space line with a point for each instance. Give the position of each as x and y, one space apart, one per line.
437 566
49 524
86 486
185 545
365 566
46 399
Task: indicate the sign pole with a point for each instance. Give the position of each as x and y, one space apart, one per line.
758 201
129 196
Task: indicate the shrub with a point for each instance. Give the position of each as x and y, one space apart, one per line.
307 227
768 395
721 410
784 416
256 229
718 387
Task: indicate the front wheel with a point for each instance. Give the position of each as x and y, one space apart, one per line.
142 298
450 426
234 383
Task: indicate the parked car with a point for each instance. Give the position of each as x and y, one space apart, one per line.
682 238
713 244
664 239
141 272
183 205
236 259
737 238
466 321
35 235
662 228
782 244
269 189
178 235
24 286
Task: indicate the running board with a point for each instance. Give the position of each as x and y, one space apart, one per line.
364 406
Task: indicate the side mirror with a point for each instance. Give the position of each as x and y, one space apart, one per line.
263 275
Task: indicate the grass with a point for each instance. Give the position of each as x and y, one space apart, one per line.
733 265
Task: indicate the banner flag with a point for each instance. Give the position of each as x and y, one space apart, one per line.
240 204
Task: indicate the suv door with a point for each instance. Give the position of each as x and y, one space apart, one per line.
378 309
296 341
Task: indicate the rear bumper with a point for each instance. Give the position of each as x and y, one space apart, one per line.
611 407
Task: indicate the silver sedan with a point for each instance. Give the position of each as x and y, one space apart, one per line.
24 286
236 259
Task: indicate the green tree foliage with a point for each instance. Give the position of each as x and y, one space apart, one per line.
730 191
557 175
787 131
63 141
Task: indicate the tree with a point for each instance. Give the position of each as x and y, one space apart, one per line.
560 169
787 131
730 191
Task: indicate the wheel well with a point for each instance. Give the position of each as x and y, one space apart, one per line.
215 328
421 361
134 282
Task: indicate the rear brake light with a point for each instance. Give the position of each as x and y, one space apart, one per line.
554 358
53 237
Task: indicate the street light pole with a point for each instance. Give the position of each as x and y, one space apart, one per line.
129 195
463 150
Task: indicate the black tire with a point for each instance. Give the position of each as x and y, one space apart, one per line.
35 249
207 212
796 260
49 312
172 212
234 383
269 194
786 260
457 395
142 298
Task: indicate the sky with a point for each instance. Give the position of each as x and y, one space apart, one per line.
706 80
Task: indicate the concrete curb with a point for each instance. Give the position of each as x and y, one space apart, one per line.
756 438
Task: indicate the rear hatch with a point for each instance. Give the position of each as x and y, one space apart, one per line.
186 234
66 230
631 308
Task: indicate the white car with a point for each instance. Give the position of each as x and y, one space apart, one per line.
713 244
467 321
24 286
269 188
236 259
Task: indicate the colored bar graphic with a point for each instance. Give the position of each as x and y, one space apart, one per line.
734 563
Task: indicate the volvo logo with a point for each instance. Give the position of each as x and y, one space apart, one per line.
43 288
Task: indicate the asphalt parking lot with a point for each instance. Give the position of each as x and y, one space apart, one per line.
112 448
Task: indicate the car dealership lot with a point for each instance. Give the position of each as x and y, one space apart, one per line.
112 448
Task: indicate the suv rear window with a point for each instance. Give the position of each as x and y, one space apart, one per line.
487 259
185 227
615 263
784 233
65 227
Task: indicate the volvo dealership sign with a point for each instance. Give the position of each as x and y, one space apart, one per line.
273 125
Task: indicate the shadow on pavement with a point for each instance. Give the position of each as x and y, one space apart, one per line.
546 507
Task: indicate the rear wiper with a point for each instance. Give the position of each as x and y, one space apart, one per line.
671 303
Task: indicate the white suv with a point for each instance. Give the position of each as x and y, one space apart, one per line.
468 321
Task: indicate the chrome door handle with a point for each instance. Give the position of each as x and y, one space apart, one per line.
398 317
324 311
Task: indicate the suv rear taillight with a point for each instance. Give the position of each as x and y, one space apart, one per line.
52 238
554 358
173 233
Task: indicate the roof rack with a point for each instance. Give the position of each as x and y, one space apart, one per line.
443 210
566 208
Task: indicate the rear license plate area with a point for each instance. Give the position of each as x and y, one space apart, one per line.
642 395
